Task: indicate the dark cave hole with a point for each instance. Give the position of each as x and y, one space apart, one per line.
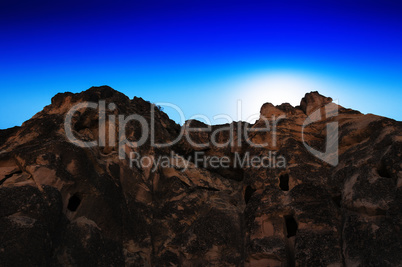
248 193
337 200
73 203
382 170
284 182
291 225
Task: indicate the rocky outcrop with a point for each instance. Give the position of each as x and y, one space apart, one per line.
66 205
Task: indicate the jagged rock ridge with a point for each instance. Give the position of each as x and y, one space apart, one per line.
64 205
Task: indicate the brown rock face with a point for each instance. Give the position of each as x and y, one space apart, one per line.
120 204
312 101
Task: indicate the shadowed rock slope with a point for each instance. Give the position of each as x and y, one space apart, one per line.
66 205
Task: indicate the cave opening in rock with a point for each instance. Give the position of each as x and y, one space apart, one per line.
284 182
382 170
337 200
291 225
73 203
248 193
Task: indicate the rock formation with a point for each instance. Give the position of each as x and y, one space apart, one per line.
66 205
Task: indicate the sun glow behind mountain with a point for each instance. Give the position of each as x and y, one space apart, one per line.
240 98
249 92
274 87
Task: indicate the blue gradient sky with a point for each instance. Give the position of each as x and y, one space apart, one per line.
202 55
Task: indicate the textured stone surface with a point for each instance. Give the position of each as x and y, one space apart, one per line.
64 205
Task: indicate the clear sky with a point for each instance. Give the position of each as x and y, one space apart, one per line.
202 56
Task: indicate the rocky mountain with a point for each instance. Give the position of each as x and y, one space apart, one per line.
120 184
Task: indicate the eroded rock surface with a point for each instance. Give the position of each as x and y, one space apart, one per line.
66 205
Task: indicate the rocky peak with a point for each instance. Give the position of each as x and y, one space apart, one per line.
93 94
312 101
268 110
